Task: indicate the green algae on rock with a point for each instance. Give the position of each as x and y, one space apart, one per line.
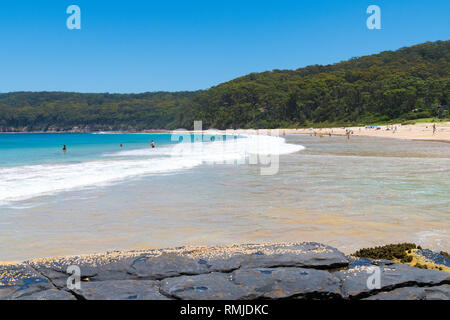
388 252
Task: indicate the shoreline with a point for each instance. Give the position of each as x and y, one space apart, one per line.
109 255
417 132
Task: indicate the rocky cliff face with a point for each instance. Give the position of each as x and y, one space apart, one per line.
276 271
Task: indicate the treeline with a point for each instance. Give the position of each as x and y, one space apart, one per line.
401 85
63 111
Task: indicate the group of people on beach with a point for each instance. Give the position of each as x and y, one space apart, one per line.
348 132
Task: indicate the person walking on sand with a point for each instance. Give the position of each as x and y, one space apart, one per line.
153 144
434 128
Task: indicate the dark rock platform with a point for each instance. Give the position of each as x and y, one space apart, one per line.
267 271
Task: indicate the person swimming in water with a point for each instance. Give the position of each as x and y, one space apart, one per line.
153 144
121 145
64 148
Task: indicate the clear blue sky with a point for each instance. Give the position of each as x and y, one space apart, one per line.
138 46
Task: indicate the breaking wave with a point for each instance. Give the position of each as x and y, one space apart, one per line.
24 182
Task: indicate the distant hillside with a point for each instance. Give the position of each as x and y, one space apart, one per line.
50 111
409 83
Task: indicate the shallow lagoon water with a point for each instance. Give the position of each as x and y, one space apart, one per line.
348 194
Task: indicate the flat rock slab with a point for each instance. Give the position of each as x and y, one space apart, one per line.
273 283
120 290
278 283
356 282
21 280
212 286
192 261
415 293
51 294
160 264
108 266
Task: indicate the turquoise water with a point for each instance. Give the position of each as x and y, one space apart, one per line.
99 197
17 149
33 165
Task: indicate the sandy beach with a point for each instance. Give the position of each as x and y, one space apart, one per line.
418 131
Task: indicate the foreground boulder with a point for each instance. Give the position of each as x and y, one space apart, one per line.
272 271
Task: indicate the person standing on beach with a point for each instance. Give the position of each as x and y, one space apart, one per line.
434 128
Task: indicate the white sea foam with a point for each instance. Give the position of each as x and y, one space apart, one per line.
24 182
148 152
217 151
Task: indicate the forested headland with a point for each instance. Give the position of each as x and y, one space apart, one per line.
392 86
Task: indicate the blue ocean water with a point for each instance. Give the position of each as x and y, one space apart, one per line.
18 149
35 164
